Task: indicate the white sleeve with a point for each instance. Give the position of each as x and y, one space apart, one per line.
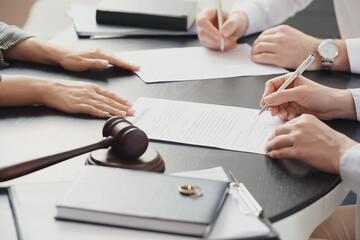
350 168
353 50
264 14
356 96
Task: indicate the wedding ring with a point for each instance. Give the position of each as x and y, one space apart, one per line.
191 190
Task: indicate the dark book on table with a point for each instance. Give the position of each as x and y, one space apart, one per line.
162 14
142 200
84 19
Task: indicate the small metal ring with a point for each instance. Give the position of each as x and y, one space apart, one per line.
191 190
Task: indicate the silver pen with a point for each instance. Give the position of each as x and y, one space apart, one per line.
246 196
220 22
292 77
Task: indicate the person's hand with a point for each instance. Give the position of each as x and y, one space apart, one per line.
81 59
81 97
234 26
70 58
286 47
311 141
306 96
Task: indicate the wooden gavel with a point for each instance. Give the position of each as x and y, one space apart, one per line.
127 140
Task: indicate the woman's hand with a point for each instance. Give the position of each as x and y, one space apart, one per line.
67 96
305 96
70 58
81 59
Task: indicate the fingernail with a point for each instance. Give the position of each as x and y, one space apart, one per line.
129 104
105 63
268 99
225 33
131 111
122 113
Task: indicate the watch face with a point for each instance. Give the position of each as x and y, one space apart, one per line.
328 50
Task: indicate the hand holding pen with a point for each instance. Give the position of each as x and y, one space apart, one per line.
233 26
303 66
306 96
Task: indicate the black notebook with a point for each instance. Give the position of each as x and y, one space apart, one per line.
142 200
162 14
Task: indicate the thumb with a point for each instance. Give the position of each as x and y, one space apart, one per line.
284 96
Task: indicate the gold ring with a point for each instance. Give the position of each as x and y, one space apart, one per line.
190 190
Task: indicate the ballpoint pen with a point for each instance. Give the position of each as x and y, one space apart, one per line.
246 196
220 22
292 77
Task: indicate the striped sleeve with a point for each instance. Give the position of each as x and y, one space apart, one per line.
9 36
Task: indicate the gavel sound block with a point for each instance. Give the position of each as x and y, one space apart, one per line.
129 148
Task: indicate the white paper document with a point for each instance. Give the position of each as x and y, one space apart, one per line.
195 63
226 127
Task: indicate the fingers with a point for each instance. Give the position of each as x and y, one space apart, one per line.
282 153
112 106
278 143
281 143
231 27
284 96
266 58
209 40
263 47
91 110
102 57
87 98
208 33
272 86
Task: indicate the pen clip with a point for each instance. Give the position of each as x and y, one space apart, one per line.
307 62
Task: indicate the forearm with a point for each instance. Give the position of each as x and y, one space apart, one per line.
342 104
17 90
34 50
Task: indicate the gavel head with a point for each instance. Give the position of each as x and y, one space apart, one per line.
129 140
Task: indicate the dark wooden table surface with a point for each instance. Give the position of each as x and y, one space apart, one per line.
281 187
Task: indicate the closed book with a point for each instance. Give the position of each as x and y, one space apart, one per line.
162 14
142 200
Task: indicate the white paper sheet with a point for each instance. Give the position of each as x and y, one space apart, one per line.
195 63
226 127
35 210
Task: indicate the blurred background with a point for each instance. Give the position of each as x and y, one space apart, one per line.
47 18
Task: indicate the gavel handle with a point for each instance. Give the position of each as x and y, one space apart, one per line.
18 170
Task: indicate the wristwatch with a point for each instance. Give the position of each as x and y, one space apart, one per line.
327 50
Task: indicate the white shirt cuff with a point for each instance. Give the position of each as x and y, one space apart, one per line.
353 50
350 168
253 11
356 96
